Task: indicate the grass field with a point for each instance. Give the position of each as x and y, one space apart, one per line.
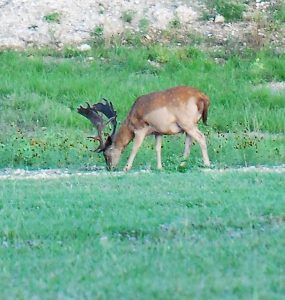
40 91
144 236
182 233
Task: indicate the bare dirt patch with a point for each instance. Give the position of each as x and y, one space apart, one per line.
20 174
250 169
274 87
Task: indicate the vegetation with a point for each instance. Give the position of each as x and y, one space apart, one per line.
148 236
179 233
40 91
128 16
53 17
279 12
144 25
232 10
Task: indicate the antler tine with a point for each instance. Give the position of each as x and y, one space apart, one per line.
92 114
101 143
108 110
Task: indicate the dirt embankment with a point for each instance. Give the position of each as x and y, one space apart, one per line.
26 23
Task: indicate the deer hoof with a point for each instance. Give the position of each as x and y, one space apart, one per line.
127 168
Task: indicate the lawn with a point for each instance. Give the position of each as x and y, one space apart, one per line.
182 233
197 235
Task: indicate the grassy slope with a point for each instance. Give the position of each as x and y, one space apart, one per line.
39 93
147 236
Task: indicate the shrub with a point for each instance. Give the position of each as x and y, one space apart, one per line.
175 23
279 12
232 10
98 35
53 17
128 16
144 25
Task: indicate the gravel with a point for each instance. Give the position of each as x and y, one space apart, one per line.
34 23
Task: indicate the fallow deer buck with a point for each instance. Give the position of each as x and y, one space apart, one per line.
172 111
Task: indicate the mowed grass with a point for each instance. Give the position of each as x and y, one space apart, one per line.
196 235
40 91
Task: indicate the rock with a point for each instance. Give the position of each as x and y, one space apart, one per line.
84 47
219 19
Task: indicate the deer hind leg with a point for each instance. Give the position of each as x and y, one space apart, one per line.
138 139
197 135
187 147
158 139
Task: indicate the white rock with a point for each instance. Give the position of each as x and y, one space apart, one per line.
219 19
84 47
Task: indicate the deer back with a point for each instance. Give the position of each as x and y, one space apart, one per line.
164 111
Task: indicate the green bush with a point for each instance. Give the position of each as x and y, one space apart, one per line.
128 16
53 17
144 25
232 10
279 12
97 35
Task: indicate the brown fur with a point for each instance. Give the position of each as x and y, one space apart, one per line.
124 135
203 105
170 111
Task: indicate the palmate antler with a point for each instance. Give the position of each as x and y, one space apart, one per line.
108 110
95 114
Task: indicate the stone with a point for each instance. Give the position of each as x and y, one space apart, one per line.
219 19
84 47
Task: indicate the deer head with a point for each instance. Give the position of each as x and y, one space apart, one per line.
97 113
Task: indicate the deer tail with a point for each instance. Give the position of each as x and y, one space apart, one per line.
204 103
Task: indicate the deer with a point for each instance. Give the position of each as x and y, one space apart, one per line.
172 111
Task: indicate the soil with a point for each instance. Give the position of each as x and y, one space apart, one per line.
20 174
33 23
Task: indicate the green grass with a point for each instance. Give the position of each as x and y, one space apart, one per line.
40 91
53 17
176 234
231 10
278 12
143 236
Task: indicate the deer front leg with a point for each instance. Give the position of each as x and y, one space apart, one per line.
158 139
138 139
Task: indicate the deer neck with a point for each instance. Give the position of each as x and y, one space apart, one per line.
123 136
